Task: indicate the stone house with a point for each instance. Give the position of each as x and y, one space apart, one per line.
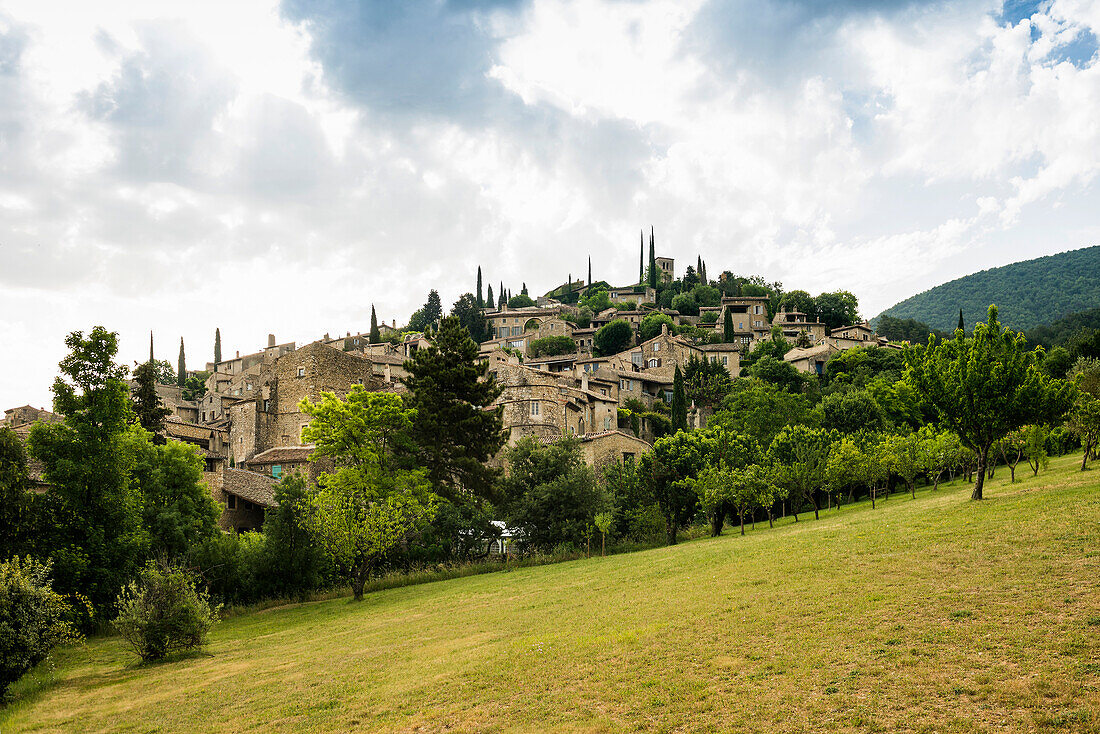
749 314
727 355
605 448
666 268
26 415
245 497
547 407
282 460
811 359
795 324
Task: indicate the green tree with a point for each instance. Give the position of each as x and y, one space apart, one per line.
217 346
612 338
375 335
962 324
520 301
901 456
836 309
166 373
454 432
685 304
1035 448
91 517
652 275
471 317
147 406
602 521
1084 420
851 411
726 454
762 410
779 373
937 453
670 471
679 402
17 525
489 298
800 455
181 367
728 334
293 562
480 293
595 301
800 301
552 346
985 386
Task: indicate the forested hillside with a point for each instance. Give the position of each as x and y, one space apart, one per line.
1027 293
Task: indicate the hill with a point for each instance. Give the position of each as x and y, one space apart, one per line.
934 614
1061 332
1027 294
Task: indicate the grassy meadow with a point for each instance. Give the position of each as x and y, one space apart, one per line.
929 615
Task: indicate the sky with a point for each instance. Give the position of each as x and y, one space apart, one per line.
266 167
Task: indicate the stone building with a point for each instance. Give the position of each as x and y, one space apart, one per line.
749 315
796 327
666 268
282 460
605 448
26 415
245 497
547 407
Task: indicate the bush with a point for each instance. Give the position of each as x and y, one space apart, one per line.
613 338
32 618
685 303
651 325
162 612
552 346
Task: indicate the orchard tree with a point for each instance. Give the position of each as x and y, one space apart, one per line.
1084 420
937 452
670 470
800 454
1035 448
901 456
984 386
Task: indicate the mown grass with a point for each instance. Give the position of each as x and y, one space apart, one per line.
933 615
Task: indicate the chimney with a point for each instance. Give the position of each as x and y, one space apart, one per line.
349 333
394 323
326 337
238 354
270 340
389 378
664 329
584 382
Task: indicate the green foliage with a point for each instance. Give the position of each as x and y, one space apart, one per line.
521 300
234 569
1056 363
710 317
836 309
596 301
178 510
800 455
984 386
454 433
165 372
427 315
762 410
635 514
292 564
194 388
91 513
779 373
906 330
851 411
551 496
612 338
706 382
728 333
552 346
679 402
17 522
32 618
1027 293
685 304
901 456
775 346
670 470
162 612
465 309
706 295
218 344
147 406
1084 420
651 325
861 365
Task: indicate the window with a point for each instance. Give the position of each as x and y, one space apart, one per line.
534 407
656 347
517 330
626 385
668 396
249 387
653 363
725 361
607 423
231 501
276 470
267 406
301 372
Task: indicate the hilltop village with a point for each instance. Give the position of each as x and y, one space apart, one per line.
586 360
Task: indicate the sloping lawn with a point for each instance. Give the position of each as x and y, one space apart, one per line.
933 615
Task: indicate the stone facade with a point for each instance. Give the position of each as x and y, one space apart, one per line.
548 407
603 449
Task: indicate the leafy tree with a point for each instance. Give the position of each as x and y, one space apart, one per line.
670 470
906 330
612 338
489 297
762 410
595 301
471 317
480 292
800 301
370 502
293 562
16 500
1035 448
147 406
218 344
851 412
800 454
779 373
902 456
962 324
1084 420
775 346
520 301
32 619
985 386
1056 363
165 372
706 382
652 275
847 465
195 387
938 451
376 335
652 323
552 346
706 295
726 454
177 508
836 309
91 517
690 279
602 521
679 402
181 367
685 304
454 432
161 612
551 495
861 365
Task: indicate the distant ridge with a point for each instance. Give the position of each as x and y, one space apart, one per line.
1027 294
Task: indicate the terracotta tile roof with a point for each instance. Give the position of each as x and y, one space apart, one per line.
283 454
257 488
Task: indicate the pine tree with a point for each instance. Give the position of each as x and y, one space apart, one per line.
727 327
149 410
181 367
641 256
453 431
433 308
962 324
652 261
375 334
217 345
480 300
679 402
489 297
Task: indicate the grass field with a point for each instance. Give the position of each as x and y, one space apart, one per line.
933 615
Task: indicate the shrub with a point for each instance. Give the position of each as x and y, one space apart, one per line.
32 618
552 346
685 303
162 612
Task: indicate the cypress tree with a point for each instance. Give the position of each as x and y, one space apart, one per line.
641 256
589 271
181 367
489 298
699 268
150 345
147 407
217 345
679 402
375 334
523 290
652 261
703 274
727 327
962 324
480 300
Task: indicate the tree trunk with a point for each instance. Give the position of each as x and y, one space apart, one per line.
742 516
1085 456
670 532
359 580
603 544
770 523
716 522
979 477
813 499
874 491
